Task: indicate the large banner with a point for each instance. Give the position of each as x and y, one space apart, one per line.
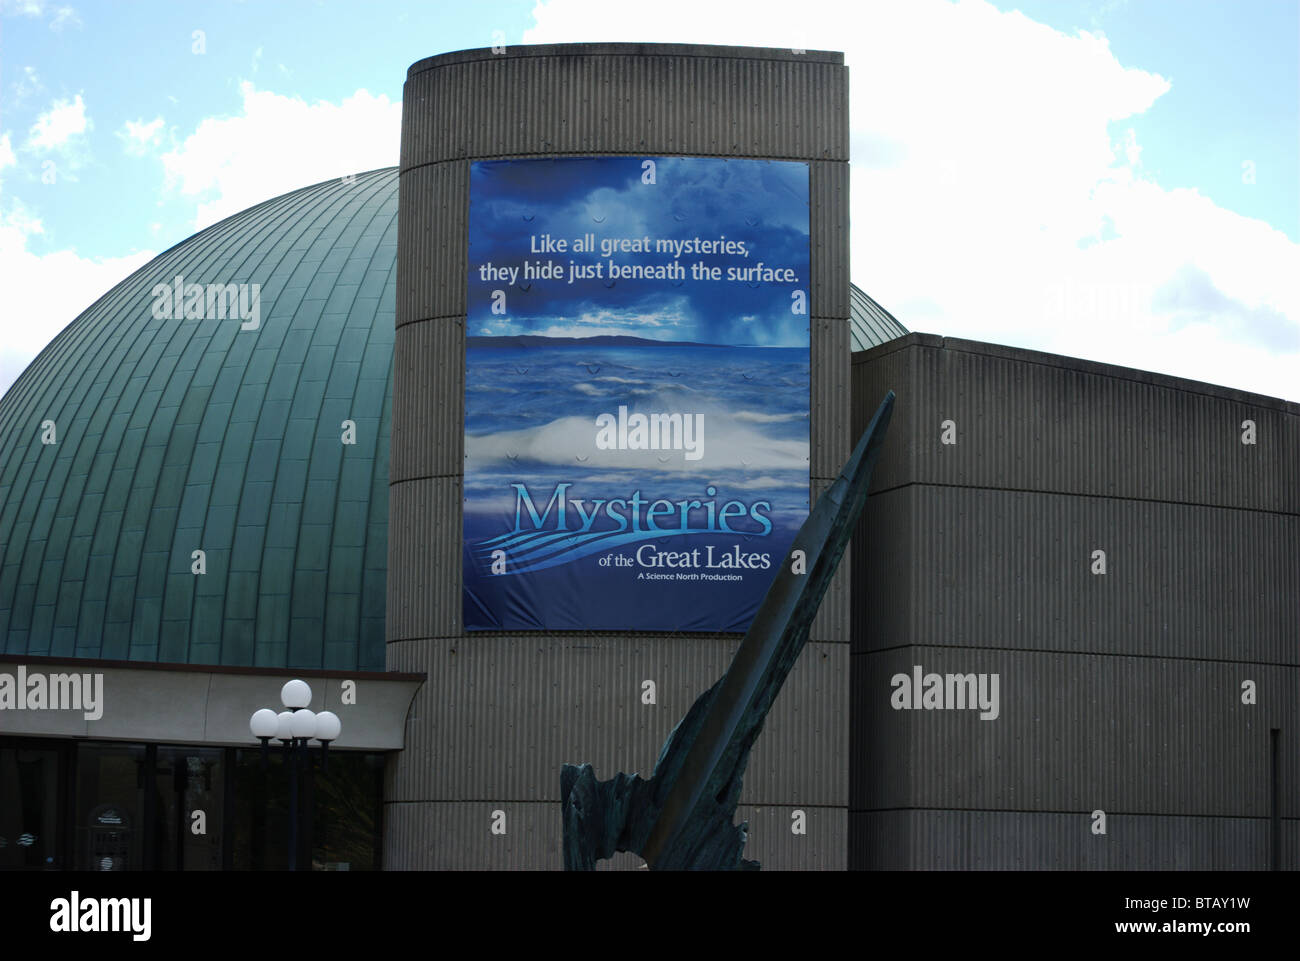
636 390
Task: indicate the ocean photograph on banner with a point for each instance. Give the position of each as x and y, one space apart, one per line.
636 391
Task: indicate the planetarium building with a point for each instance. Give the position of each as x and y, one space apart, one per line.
499 450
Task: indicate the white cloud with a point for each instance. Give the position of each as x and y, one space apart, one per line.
58 126
139 137
997 192
56 288
277 144
7 158
61 17
27 85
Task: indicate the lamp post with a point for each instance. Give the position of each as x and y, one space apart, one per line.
295 727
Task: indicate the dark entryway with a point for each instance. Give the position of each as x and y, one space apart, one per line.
97 806
33 785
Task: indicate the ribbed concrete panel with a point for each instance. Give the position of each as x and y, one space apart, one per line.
775 846
831 444
1015 841
501 714
881 748
1078 733
1014 569
424 534
833 620
1032 421
443 836
626 98
457 836
802 755
873 374
828 194
1119 692
882 613
432 271
428 400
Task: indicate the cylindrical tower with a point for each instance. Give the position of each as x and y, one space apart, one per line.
477 785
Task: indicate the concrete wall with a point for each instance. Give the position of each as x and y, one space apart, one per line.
500 713
209 706
1119 692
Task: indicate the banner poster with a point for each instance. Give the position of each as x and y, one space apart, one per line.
636 391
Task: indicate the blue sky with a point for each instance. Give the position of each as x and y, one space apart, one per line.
135 62
1234 99
1111 180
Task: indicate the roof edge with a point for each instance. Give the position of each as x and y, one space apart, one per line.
610 49
1062 361
43 660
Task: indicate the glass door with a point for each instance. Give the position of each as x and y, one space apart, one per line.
30 790
110 812
188 808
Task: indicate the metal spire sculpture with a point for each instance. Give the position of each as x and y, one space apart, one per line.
681 818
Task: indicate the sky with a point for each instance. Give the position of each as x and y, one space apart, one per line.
1097 178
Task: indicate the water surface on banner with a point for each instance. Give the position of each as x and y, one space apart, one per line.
532 410
531 420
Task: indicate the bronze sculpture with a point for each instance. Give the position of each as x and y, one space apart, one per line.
681 818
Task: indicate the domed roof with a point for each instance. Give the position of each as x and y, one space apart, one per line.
870 324
176 435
